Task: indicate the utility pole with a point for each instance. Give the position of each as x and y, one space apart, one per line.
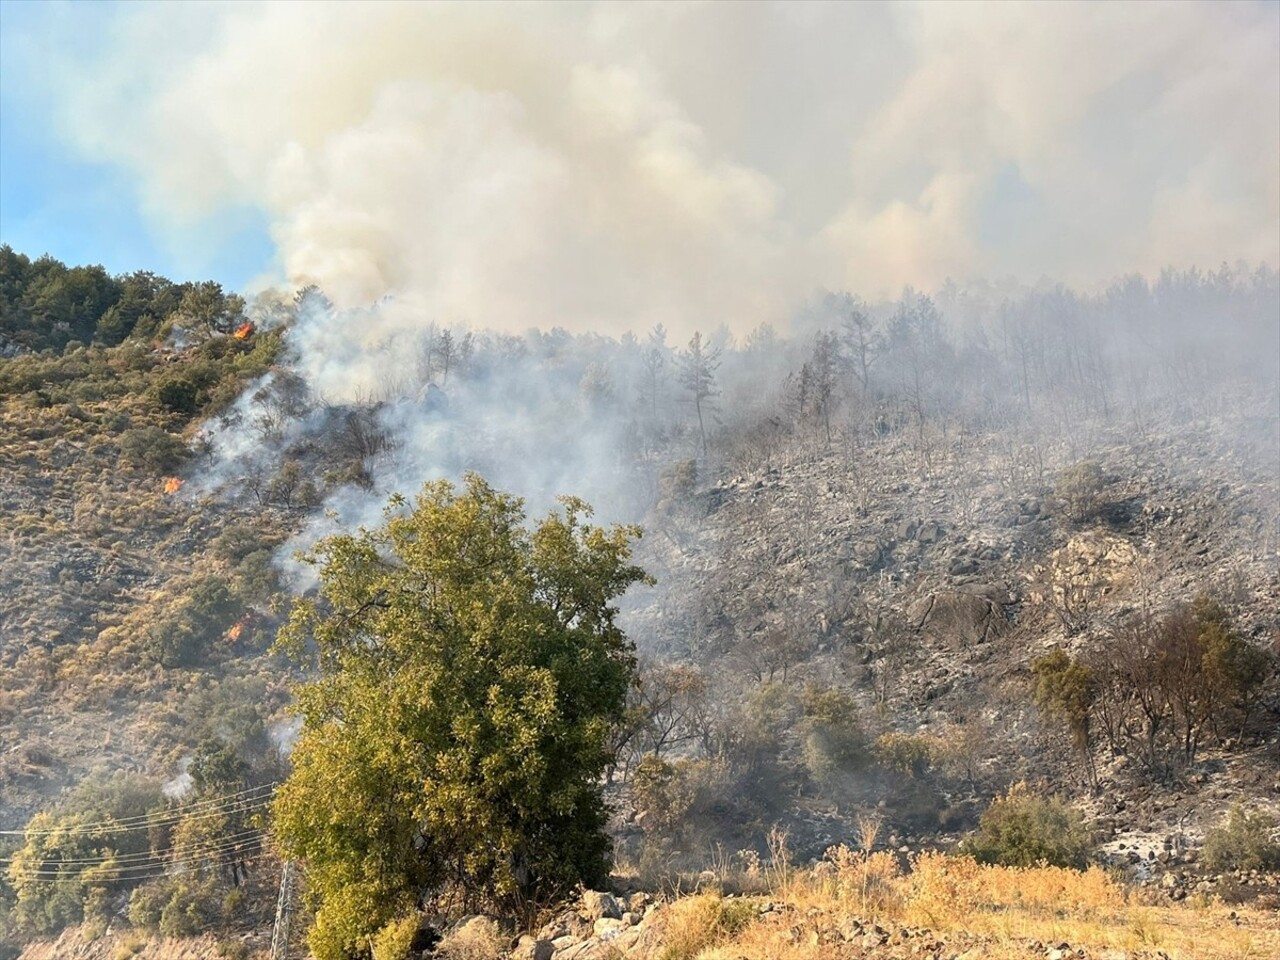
284 910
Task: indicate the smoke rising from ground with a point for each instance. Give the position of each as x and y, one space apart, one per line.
611 166
366 404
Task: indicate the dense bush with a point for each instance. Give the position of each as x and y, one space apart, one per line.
177 906
178 394
152 449
190 629
834 744
63 872
1022 829
1079 492
1244 840
911 755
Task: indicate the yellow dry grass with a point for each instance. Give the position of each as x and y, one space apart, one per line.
995 912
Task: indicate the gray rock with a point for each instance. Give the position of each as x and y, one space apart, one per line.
608 927
957 619
929 532
530 949
596 904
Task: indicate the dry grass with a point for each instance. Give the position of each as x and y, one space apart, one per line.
476 939
999 912
693 924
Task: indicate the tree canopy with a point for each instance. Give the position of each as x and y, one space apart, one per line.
469 671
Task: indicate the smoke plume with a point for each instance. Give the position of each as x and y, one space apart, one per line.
611 166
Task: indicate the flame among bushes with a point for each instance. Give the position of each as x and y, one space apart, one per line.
173 484
244 331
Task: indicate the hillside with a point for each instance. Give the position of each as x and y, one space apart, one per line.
883 558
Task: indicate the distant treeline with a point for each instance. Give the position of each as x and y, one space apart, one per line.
44 304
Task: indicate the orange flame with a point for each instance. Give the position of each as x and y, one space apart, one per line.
173 484
237 631
244 331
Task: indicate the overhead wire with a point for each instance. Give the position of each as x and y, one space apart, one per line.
130 857
207 854
203 809
167 871
141 870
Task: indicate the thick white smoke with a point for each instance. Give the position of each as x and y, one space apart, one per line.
609 166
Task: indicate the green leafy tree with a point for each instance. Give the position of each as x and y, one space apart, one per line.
207 309
74 859
1067 688
469 673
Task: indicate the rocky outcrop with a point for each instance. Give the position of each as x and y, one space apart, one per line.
958 619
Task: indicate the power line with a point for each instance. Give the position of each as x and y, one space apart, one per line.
128 857
255 848
48 865
170 822
202 809
146 819
166 872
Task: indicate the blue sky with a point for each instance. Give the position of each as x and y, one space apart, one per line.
55 200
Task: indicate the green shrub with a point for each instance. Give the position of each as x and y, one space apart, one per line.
192 628
1022 829
1244 840
908 754
834 744
393 941
1079 491
176 906
237 541
178 394
150 448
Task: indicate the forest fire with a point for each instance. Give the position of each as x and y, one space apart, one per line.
173 484
244 331
234 633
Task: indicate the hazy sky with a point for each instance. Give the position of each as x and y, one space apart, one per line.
603 165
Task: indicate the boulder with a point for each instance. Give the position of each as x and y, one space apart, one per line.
956 618
607 927
530 949
597 905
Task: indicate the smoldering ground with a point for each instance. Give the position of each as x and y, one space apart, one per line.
377 401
